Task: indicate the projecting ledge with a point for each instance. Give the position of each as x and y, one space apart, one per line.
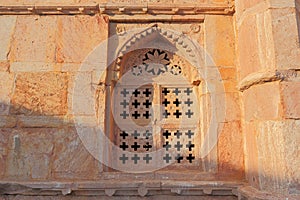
122 188
117 9
265 77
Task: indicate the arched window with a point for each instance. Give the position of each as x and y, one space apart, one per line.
154 107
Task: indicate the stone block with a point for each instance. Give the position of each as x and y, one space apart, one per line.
78 36
8 121
282 4
278 150
31 67
228 73
71 160
40 94
242 6
230 148
34 39
29 153
4 134
262 102
224 107
81 97
290 92
233 111
251 153
40 121
255 43
265 41
286 38
7 24
248 47
4 66
231 106
6 85
219 40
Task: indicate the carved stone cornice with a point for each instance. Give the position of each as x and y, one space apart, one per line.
123 188
118 9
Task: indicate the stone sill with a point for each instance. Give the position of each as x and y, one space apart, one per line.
140 188
118 9
122 188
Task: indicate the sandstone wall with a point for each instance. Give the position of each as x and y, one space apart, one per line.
268 65
256 52
39 58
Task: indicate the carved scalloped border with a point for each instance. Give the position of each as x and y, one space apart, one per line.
180 41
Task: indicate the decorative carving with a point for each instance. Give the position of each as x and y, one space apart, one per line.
156 62
137 70
120 30
175 70
177 40
195 28
181 142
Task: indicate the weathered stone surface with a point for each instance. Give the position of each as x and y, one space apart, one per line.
219 41
4 134
230 146
290 92
7 24
80 94
29 153
262 102
40 94
256 79
31 67
251 153
255 42
232 107
6 85
277 152
40 121
248 49
34 39
262 48
282 4
4 66
8 121
228 73
33 47
242 6
71 160
78 36
286 38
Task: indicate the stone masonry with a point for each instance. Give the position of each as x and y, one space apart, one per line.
250 52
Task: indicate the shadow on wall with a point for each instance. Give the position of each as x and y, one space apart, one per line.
39 146
36 147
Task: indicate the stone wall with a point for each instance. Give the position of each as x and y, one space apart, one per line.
39 57
268 57
256 50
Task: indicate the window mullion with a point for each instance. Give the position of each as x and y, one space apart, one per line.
156 106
